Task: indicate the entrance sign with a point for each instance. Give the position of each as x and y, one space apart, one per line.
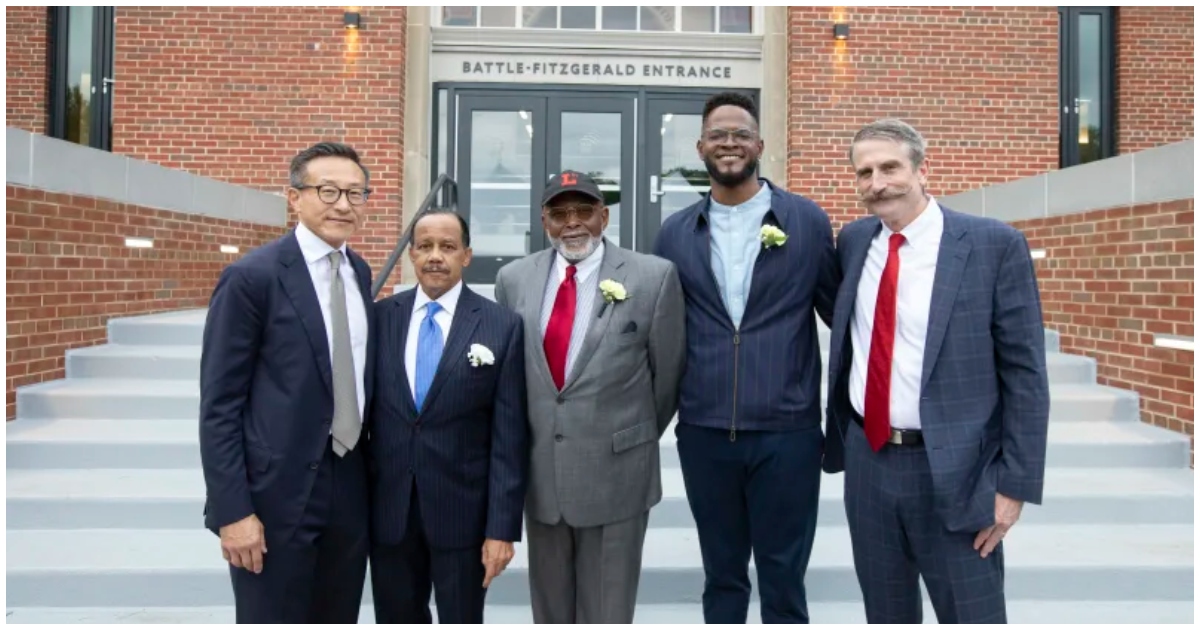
596 69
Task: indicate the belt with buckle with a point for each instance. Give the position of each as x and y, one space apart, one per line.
899 437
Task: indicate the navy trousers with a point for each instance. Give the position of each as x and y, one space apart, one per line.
402 577
756 494
897 536
318 575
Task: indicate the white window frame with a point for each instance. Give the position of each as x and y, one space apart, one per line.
756 13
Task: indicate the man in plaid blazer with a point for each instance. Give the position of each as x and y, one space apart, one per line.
937 389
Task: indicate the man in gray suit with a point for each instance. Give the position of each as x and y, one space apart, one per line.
604 343
938 387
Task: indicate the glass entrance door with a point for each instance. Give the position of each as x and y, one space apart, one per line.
595 136
501 146
674 176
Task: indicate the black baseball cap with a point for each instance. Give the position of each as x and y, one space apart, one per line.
568 181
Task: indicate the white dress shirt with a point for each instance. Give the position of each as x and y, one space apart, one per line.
587 287
914 294
316 256
448 302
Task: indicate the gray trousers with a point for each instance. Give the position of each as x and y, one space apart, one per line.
897 536
588 574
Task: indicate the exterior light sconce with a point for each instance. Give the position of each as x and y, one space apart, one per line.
841 31
352 20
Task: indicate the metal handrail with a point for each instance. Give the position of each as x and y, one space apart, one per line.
450 200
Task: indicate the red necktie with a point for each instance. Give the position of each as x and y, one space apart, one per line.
558 331
878 412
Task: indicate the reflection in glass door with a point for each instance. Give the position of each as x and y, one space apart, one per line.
595 136
1085 84
498 155
675 176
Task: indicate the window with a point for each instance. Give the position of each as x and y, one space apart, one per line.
735 20
81 81
1086 85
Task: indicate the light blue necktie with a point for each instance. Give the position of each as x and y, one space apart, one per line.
429 351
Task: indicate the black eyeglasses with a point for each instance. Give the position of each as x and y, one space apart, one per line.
331 194
740 136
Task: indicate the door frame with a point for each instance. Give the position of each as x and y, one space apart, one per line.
1068 79
100 112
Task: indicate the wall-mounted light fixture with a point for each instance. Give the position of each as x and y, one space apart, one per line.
1037 254
841 31
1175 342
229 249
140 243
352 19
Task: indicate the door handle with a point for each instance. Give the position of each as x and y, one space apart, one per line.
655 189
107 81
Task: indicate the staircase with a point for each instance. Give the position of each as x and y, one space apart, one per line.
105 495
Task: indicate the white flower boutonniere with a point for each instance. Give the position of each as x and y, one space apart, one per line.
771 236
480 355
612 291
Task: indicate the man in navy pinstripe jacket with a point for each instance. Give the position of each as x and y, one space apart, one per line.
755 262
449 445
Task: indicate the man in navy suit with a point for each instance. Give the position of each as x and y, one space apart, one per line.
285 379
755 262
449 444
938 387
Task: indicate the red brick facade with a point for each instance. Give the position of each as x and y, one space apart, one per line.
26 74
234 93
980 83
1155 76
68 271
1111 280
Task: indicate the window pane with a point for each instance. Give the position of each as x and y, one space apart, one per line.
539 17
620 18
683 178
501 166
699 19
1089 89
79 74
591 143
458 16
658 18
442 130
735 19
500 16
579 17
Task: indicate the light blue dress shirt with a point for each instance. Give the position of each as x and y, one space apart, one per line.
735 247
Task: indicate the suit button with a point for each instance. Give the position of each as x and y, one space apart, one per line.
314 465
558 438
560 400
410 470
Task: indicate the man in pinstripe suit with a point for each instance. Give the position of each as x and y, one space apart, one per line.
603 378
938 388
449 444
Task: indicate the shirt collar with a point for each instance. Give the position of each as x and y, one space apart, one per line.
448 301
583 268
312 247
924 229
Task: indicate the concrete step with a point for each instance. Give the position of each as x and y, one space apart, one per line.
135 568
173 328
183 363
1019 612
180 399
174 499
135 362
175 444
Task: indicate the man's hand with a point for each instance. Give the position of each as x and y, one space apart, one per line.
1007 512
243 544
496 556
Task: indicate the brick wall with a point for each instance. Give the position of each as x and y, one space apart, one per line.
68 271
1155 76
25 76
1111 280
980 83
232 93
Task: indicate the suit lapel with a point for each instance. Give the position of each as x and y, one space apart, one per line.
298 285
952 259
400 316
612 267
848 290
454 355
535 294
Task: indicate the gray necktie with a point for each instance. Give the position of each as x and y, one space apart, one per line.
346 422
